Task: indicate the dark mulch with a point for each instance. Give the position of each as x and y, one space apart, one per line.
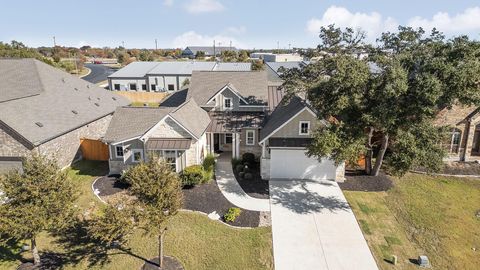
169 263
207 198
457 168
109 185
357 180
255 187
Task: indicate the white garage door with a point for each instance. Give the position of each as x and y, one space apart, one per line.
295 164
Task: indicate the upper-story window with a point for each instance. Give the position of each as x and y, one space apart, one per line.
133 86
227 103
304 128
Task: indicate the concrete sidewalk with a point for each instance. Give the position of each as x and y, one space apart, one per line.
313 227
230 188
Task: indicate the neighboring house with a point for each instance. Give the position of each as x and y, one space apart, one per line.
192 51
271 57
47 111
463 141
164 76
233 112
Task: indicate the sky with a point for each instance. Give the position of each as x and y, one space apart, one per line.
247 24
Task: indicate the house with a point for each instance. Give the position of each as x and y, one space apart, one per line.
164 76
223 111
47 111
192 51
463 140
272 57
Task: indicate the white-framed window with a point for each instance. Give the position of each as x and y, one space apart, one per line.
119 151
137 155
304 128
228 138
170 157
250 137
227 103
455 140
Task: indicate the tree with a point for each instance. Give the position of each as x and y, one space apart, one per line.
228 56
113 226
242 56
158 193
258 65
384 102
41 198
200 55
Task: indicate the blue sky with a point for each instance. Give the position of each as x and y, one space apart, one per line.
247 23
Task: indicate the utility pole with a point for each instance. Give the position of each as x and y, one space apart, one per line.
156 45
230 45
214 51
123 44
54 42
278 45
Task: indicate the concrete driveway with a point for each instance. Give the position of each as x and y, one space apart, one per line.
314 228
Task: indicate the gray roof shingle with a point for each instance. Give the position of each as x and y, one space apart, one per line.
192 117
56 103
252 85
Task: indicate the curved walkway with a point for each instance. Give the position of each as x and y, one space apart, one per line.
230 188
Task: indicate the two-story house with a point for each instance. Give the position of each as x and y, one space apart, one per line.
231 113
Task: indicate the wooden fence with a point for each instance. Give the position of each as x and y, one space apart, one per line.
94 150
147 97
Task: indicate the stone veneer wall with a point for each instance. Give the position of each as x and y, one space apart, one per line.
10 147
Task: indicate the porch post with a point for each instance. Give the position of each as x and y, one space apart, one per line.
236 144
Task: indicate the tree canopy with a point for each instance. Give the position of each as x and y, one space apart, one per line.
385 97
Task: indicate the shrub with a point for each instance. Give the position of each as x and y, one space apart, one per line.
232 214
239 168
236 161
241 174
207 176
248 176
209 162
248 158
247 169
192 175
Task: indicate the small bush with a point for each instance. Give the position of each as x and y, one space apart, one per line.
248 176
207 176
236 161
241 174
232 214
209 162
247 169
248 158
239 168
192 175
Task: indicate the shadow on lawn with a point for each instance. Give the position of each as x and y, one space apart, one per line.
91 168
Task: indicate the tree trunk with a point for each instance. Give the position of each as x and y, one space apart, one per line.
381 153
369 155
36 256
160 250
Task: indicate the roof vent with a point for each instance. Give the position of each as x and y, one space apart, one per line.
39 124
96 104
76 89
114 98
89 98
98 98
74 112
63 79
88 85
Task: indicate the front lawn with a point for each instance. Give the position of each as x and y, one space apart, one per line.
422 215
198 242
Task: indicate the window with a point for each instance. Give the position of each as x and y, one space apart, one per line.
144 87
455 141
250 137
116 86
133 86
170 157
119 151
228 137
171 87
137 155
227 102
304 128
153 87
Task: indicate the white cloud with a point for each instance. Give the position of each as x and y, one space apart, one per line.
168 3
462 23
236 30
191 38
203 6
372 23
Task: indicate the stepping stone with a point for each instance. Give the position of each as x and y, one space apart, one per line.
214 215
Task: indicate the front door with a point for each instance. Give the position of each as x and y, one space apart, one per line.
216 142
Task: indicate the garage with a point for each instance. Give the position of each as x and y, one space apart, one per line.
293 163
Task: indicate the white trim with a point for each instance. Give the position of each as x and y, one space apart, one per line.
231 90
253 137
288 121
225 103
126 140
254 106
123 151
288 148
160 122
300 128
133 155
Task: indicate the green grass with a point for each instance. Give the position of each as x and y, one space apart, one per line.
141 104
197 241
422 215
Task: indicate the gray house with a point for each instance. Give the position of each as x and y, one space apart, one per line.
223 112
48 111
164 76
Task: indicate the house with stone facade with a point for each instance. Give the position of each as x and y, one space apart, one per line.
225 112
463 140
47 111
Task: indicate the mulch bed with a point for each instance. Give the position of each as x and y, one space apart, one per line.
207 198
457 168
357 180
169 263
255 187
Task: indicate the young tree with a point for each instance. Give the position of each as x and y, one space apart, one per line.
200 55
41 198
258 65
383 101
158 193
242 56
